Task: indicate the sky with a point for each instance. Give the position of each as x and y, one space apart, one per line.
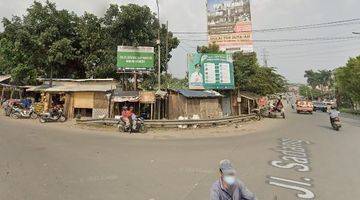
291 59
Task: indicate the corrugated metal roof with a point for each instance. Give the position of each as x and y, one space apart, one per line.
77 80
72 88
4 77
199 94
249 95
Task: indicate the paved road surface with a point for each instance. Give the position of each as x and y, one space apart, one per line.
41 162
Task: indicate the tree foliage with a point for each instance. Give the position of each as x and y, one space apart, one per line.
347 82
76 46
321 79
250 76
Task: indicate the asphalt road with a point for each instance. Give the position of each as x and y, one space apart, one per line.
40 162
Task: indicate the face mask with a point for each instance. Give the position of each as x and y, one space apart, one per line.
230 180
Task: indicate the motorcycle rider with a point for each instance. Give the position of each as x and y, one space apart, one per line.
228 187
334 113
125 115
132 117
279 105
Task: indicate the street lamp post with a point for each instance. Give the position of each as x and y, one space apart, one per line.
159 51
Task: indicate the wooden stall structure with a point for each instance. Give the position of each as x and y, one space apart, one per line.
187 103
89 98
6 90
247 102
142 101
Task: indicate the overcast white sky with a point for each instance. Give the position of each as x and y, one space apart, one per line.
291 61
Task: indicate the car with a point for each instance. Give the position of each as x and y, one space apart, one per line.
304 106
321 106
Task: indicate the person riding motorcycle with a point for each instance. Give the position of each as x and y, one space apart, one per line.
132 117
279 105
125 115
334 113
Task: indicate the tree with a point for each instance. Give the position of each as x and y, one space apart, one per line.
250 76
212 48
321 79
347 81
47 40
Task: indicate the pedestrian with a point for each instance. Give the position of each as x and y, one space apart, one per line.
229 187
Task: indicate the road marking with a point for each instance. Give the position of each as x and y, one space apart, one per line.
305 193
294 156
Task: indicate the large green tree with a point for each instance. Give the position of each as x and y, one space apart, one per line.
347 82
48 41
250 76
321 79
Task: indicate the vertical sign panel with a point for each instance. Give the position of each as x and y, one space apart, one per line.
210 71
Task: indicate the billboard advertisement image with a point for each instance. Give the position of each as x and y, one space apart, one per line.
135 58
229 24
210 71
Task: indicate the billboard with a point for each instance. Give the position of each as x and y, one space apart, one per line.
135 58
229 24
210 71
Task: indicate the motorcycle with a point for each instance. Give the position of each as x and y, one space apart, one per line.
56 115
275 112
139 126
335 123
17 113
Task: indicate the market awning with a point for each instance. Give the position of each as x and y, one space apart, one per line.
199 94
249 95
126 96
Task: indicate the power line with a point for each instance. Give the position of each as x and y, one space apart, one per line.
287 28
288 40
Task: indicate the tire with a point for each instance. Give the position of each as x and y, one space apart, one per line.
283 115
33 116
143 129
298 112
42 120
15 115
62 119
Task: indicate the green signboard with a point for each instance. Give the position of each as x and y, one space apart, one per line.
210 71
135 58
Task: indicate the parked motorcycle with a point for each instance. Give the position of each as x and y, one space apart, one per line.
56 115
336 124
18 112
138 128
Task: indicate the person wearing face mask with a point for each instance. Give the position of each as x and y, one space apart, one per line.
229 187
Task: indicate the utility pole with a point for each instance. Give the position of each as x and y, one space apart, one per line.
265 57
167 45
159 50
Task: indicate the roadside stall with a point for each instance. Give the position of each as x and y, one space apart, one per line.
190 103
87 98
142 101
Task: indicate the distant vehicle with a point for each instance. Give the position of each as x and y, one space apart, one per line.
304 107
321 106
